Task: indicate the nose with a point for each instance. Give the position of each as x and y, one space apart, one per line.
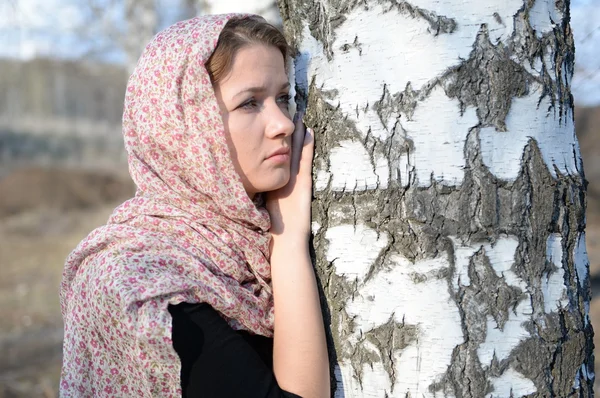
278 123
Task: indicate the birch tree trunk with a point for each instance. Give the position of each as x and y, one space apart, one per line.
449 209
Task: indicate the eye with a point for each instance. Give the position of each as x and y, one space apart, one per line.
284 99
249 104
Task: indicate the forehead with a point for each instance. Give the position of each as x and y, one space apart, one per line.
257 64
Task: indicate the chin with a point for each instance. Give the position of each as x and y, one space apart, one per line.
275 183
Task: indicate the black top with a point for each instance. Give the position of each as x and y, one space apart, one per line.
217 361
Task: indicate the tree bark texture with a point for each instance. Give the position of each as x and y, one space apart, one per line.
449 211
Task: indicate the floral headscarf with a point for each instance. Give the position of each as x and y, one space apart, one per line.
191 233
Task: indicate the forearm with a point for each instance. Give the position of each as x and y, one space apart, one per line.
300 360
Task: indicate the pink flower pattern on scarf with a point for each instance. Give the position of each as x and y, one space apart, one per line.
190 234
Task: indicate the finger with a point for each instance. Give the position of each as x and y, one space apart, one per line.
308 151
297 141
308 146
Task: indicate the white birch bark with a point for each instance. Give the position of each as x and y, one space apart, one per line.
449 214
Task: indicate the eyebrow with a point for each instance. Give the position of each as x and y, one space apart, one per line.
258 89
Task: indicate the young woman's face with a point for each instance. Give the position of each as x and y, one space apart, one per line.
253 99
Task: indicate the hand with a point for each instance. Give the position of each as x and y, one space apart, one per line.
289 206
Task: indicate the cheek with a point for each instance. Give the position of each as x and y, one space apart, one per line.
246 140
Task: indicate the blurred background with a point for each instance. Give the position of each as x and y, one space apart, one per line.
64 65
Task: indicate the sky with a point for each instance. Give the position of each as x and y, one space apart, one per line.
30 28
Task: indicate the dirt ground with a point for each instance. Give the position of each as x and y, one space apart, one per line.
44 213
34 242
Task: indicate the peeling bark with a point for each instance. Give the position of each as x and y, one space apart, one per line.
449 210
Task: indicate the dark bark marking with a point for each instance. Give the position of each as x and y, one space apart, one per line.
400 335
355 44
526 48
438 24
488 81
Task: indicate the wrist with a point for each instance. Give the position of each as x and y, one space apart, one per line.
287 255
292 238
287 243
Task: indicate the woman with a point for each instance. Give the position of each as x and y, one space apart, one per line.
195 281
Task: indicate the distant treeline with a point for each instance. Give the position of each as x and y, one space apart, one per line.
58 111
17 148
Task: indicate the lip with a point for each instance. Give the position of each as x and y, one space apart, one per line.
281 152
